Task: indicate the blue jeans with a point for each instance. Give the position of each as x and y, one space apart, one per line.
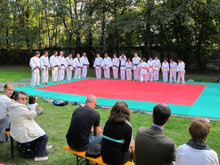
93 140
40 145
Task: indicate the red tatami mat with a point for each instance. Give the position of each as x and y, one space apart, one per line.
158 92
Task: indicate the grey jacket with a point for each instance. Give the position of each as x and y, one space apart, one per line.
152 147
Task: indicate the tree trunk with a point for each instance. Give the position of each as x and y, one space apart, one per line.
102 44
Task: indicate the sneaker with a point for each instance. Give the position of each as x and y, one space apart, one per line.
37 159
49 147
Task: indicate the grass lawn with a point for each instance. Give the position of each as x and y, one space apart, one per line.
55 121
14 73
8 74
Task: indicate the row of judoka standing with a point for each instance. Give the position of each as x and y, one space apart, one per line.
142 70
59 65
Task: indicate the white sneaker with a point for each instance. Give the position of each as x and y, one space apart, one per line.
49 147
37 159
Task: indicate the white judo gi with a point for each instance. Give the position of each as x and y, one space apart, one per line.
181 72
85 65
62 68
129 67
123 66
106 64
173 67
136 62
98 67
144 71
115 66
151 70
165 70
69 68
78 66
55 64
45 66
157 66
35 68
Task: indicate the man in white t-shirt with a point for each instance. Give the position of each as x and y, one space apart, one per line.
4 102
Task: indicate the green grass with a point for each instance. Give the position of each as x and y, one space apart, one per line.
55 121
8 74
14 73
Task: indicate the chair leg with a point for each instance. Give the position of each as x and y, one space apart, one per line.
12 147
77 160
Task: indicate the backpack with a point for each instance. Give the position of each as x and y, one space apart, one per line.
26 150
218 80
60 103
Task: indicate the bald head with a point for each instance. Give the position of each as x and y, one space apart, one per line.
91 101
8 89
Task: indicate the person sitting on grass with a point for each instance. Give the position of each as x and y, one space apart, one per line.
84 120
34 106
24 129
4 103
196 151
151 145
117 144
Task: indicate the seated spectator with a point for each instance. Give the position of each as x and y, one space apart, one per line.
24 129
117 145
4 103
34 106
152 146
196 151
15 93
84 121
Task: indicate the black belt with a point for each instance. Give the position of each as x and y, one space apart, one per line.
69 65
98 65
62 65
46 66
136 64
55 66
86 64
114 65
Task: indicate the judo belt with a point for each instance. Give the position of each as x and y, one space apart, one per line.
114 65
85 64
62 65
136 64
55 66
46 66
113 140
150 66
122 65
78 66
128 68
69 65
36 68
